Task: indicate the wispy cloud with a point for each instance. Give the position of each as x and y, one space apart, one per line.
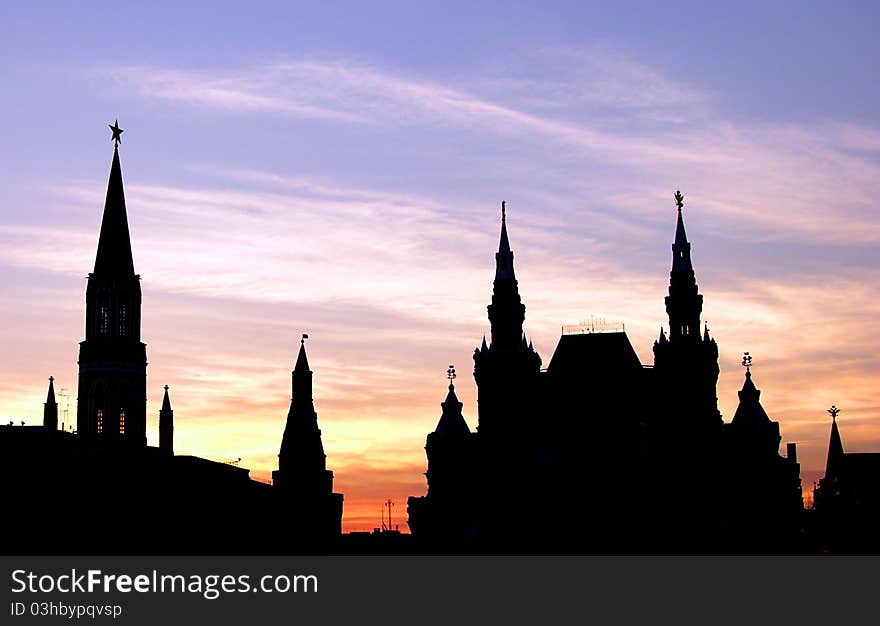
781 177
600 78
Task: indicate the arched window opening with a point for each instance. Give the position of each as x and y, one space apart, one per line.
123 321
103 319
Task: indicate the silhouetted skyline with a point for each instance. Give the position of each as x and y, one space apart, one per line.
636 456
345 182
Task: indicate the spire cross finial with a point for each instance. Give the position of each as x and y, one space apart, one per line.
166 387
747 361
117 133
833 411
503 211
51 379
679 200
450 373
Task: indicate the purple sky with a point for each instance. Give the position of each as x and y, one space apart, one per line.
339 171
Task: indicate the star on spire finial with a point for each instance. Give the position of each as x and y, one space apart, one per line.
117 133
833 411
747 361
679 200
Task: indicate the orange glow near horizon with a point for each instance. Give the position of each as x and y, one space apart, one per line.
377 401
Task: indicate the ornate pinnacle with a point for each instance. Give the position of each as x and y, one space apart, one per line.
679 200
747 361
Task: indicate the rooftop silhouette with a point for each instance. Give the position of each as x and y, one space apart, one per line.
635 456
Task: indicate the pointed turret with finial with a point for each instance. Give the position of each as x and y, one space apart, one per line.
301 460
686 360
50 408
507 312
834 462
452 424
683 304
166 426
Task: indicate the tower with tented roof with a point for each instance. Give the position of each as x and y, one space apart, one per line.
111 402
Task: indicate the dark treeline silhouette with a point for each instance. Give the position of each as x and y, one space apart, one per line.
596 453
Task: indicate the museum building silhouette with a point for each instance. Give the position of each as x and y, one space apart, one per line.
633 457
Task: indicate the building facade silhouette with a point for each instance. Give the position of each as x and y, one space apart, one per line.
635 458
762 500
847 499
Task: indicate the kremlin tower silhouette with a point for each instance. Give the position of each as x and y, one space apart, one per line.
120 495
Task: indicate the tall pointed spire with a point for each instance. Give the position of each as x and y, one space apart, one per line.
302 361
114 257
834 463
50 408
301 448
681 249
680 234
507 312
684 303
687 360
302 477
111 399
505 371
301 377
166 401
504 256
50 396
166 426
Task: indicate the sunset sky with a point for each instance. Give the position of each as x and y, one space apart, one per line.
337 169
